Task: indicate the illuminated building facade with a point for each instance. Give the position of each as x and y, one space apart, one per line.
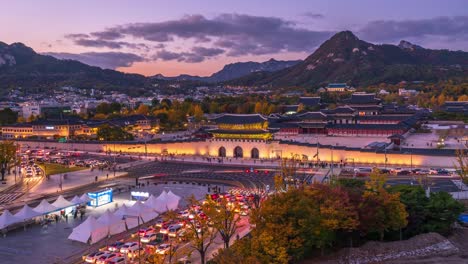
236 126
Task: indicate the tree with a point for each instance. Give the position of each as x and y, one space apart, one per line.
380 211
461 164
223 215
199 232
142 109
113 133
8 116
443 212
103 108
258 108
198 113
7 155
300 108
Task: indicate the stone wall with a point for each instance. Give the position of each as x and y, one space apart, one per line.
267 150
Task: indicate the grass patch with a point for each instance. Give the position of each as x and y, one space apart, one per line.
54 168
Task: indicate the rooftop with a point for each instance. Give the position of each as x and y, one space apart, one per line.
240 119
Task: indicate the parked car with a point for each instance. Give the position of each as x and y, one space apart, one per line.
91 258
148 238
404 172
173 230
115 247
104 258
128 246
143 231
433 171
135 253
163 249
116 260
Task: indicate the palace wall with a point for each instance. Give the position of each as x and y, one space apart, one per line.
266 150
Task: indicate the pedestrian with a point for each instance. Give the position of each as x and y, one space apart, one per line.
237 237
95 178
107 176
66 218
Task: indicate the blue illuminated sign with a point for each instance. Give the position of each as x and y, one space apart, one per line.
100 198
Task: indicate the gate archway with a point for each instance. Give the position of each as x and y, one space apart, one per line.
222 152
238 152
254 153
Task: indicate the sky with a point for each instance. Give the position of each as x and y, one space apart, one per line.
199 37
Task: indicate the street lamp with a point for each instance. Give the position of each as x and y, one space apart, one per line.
139 238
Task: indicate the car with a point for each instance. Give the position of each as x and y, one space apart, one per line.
91 258
116 260
143 231
182 236
404 172
135 253
159 222
184 214
128 246
105 257
163 249
173 230
115 247
396 170
164 229
433 171
148 238
422 172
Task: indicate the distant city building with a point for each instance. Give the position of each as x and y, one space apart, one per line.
407 93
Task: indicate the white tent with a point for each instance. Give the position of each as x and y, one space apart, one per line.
85 198
172 201
125 211
76 200
160 204
145 212
7 219
90 230
151 202
45 207
114 223
61 203
26 213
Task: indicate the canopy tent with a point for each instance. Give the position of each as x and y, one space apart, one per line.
26 213
45 207
76 200
160 204
61 203
114 223
85 198
125 211
145 212
7 219
152 202
172 201
90 230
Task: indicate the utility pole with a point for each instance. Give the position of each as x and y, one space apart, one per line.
332 165
385 158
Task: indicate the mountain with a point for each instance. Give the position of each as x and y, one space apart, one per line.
21 66
346 58
235 70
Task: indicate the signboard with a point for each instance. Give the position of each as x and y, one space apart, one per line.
49 127
139 196
100 198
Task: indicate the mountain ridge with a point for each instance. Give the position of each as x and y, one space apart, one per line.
234 70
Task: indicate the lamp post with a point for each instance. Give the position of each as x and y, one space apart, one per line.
139 238
332 165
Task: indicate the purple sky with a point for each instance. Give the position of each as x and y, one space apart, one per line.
200 37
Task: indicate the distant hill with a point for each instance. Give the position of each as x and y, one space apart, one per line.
235 70
345 58
21 66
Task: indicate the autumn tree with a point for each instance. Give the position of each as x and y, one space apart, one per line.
461 164
199 232
224 217
381 211
142 109
198 113
7 156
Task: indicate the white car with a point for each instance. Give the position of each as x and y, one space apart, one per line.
433 171
116 260
91 258
163 249
173 230
128 246
148 238
104 258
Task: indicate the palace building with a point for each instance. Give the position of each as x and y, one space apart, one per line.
237 126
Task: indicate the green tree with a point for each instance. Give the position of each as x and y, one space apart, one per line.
113 133
8 116
443 212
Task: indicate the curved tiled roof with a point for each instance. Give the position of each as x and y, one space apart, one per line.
240 119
